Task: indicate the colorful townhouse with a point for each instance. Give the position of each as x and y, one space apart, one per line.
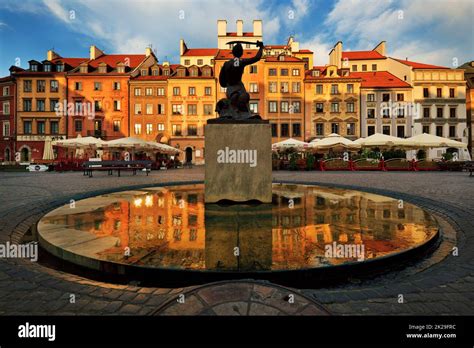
7 119
469 76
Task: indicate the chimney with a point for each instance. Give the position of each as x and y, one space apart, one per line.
182 47
52 55
95 52
380 48
221 27
257 27
148 51
240 27
338 54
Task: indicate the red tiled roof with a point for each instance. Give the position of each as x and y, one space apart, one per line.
379 79
152 77
112 59
243 34
361 55
201 52
416 65
69 61
304 51
275 46
286 59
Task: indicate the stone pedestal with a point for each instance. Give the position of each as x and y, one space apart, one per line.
238 161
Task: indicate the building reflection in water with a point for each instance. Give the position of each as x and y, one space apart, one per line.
171 227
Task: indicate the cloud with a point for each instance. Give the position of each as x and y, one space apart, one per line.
321 49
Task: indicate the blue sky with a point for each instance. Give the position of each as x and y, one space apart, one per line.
430 31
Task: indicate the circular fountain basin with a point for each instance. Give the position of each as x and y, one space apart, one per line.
307 234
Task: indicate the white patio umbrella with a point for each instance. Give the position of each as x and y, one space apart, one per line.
290 143
48 153
333 141
432 141
79 142
383 140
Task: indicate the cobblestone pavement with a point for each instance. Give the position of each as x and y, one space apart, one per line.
441 284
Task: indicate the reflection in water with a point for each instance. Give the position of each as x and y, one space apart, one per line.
171 227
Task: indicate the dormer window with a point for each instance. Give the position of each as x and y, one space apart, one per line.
60 67
34 67
47 67
315 73
166 72
121 69
193 72
281 58
143 72
181 72
102 68
83 69
206 72
155 72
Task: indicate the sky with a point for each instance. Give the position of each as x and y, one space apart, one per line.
431 31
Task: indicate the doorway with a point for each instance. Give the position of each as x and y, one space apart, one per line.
189 155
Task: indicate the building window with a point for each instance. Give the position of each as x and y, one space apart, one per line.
272 72
350 129
426 129
192 129
78 125
54 127
370 130
138 129
177 109
26 104
439 131
54 85
40 105
149 91
52 104
401 112
272 106
192 91
439 92
350 107
319 89
296 87
97 105
295 107
40 127
284 130
334 107
400 97
6 128
176 91
371 97
350 88
319 107
426 112
138 92
187 62
116 86
284 106
27 86
272 87
452 131
207 90
208 109
315 73
60 67
452 93
6 108
364 67
335 128
200 62
117 105
401 131
370 113
160 91
296 129
374 67
354 67
253 69
97 86
253 106
34 67
439 112
155 72
161 109
192 109
284 87
334 89
161 127
149 128
138 109
283 72
253 88
386 97
27 128
426 92
386 112
295 72
40 86
116 126
143 72
274 130
149 109
386 130
176 129
319 128
78 86
452 112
